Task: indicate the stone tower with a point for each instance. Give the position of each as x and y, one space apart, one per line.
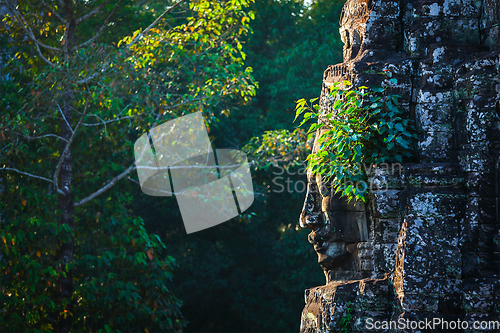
426 248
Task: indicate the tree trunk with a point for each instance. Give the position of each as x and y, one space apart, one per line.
66 203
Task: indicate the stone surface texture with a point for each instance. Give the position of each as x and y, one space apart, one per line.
427 245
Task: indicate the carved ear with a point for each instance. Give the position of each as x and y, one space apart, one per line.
356 42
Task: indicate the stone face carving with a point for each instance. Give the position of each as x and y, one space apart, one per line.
353 20
427 244
338 229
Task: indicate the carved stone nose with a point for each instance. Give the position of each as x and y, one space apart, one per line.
317 237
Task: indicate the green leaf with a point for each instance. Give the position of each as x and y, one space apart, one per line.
395 100
403 142
337 104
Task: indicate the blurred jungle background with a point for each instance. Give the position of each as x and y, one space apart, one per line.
133 267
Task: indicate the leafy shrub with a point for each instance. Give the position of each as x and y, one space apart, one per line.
359 127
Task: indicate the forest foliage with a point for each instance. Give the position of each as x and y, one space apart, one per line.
82 248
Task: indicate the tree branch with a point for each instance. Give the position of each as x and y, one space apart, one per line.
92 13
154 23
108 121
50 63
104 25
52 11
43 136
106 187
32 176
28 30
66 148
30 34
64 117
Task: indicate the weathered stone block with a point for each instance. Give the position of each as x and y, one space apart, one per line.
484 104
476 126
473 180
433 261
436 145
421 285
402 88
440 68
405 67
490 14
435 204
435 82
460 31
480 66
385 204
418 302
385 9
384 257
365 254
384 177
470 225
447 8
433 231
450 295
476 86
474 157
479 295
434 168
483 124
382 31
420 181
430 30
434 127
386 230
434 97
384 182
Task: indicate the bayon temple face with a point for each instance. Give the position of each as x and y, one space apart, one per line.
429 234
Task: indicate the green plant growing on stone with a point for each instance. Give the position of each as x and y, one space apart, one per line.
346 320
358 128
